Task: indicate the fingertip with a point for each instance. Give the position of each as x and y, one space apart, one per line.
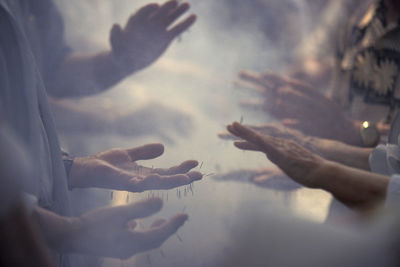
245 73
153 6
230 127
195 176
115 34
180 218
241 73
158 147
116 27
236 126
169 5
190 164
192 18
225 136
185 5
154 203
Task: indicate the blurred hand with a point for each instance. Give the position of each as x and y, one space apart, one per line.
297 162
270 178
301 107
117 169
148 33
109 232
275 130
154 119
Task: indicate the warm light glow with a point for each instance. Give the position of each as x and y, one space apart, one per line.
365 124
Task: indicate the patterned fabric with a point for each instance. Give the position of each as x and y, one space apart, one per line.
368 66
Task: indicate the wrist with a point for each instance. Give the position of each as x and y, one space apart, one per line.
88 172
76 173
121 63
108 69
314 144
319 176
72 235
58 231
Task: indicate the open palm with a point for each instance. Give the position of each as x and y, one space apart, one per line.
118 169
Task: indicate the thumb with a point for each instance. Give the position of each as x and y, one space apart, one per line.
115 36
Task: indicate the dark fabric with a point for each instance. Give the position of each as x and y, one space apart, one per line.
68 161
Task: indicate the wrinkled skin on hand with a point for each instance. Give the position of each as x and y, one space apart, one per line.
299 106
297 162
276 130
118 169
269 178
110 231
148 33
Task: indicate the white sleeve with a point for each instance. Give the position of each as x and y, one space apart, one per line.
385 159
393 192
30 202
377 160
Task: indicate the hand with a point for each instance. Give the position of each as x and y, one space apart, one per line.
301 107
148 33
110 231
271 178
117 169
277 130
154 119
297 162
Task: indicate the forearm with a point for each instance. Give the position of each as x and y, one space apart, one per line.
358 189
82 75
58 231
75 118
337 151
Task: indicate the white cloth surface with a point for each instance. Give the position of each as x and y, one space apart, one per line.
23 101
24 107
385 159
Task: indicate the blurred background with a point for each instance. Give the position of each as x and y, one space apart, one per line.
193 88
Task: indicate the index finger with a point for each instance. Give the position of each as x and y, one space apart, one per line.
142 14
182 26
255 78
246 133
164 10
176 13
281 80
137 210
